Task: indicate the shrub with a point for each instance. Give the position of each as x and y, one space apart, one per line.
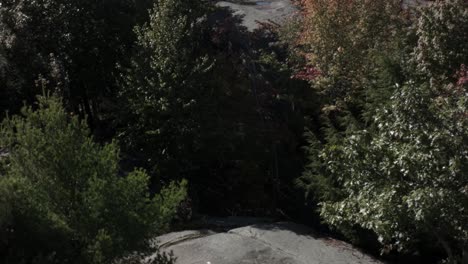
407 177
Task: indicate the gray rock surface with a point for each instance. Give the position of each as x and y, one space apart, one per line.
261 11
254 11
280 243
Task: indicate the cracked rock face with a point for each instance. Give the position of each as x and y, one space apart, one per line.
282 243
253 11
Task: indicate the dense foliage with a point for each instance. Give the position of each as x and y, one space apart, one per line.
374 91
441 32
63 200
406 177
74 45
195 104
347 43
167 84
400 168
164 87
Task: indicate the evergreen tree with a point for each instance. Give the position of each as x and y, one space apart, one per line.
62 199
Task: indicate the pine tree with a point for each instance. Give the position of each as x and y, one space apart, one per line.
62 199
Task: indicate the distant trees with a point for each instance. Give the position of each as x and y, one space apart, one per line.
73 45
62 199
401 170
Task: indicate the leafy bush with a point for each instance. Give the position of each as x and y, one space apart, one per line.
403 174
442 31
62 198
408 176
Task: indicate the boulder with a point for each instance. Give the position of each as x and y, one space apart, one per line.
278 243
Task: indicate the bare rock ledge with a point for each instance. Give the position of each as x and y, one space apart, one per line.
279 243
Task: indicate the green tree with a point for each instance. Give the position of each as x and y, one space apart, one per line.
404 175
407 177
346 43
164 88
355 51
63 199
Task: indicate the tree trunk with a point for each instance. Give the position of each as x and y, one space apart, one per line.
88 111
447 248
